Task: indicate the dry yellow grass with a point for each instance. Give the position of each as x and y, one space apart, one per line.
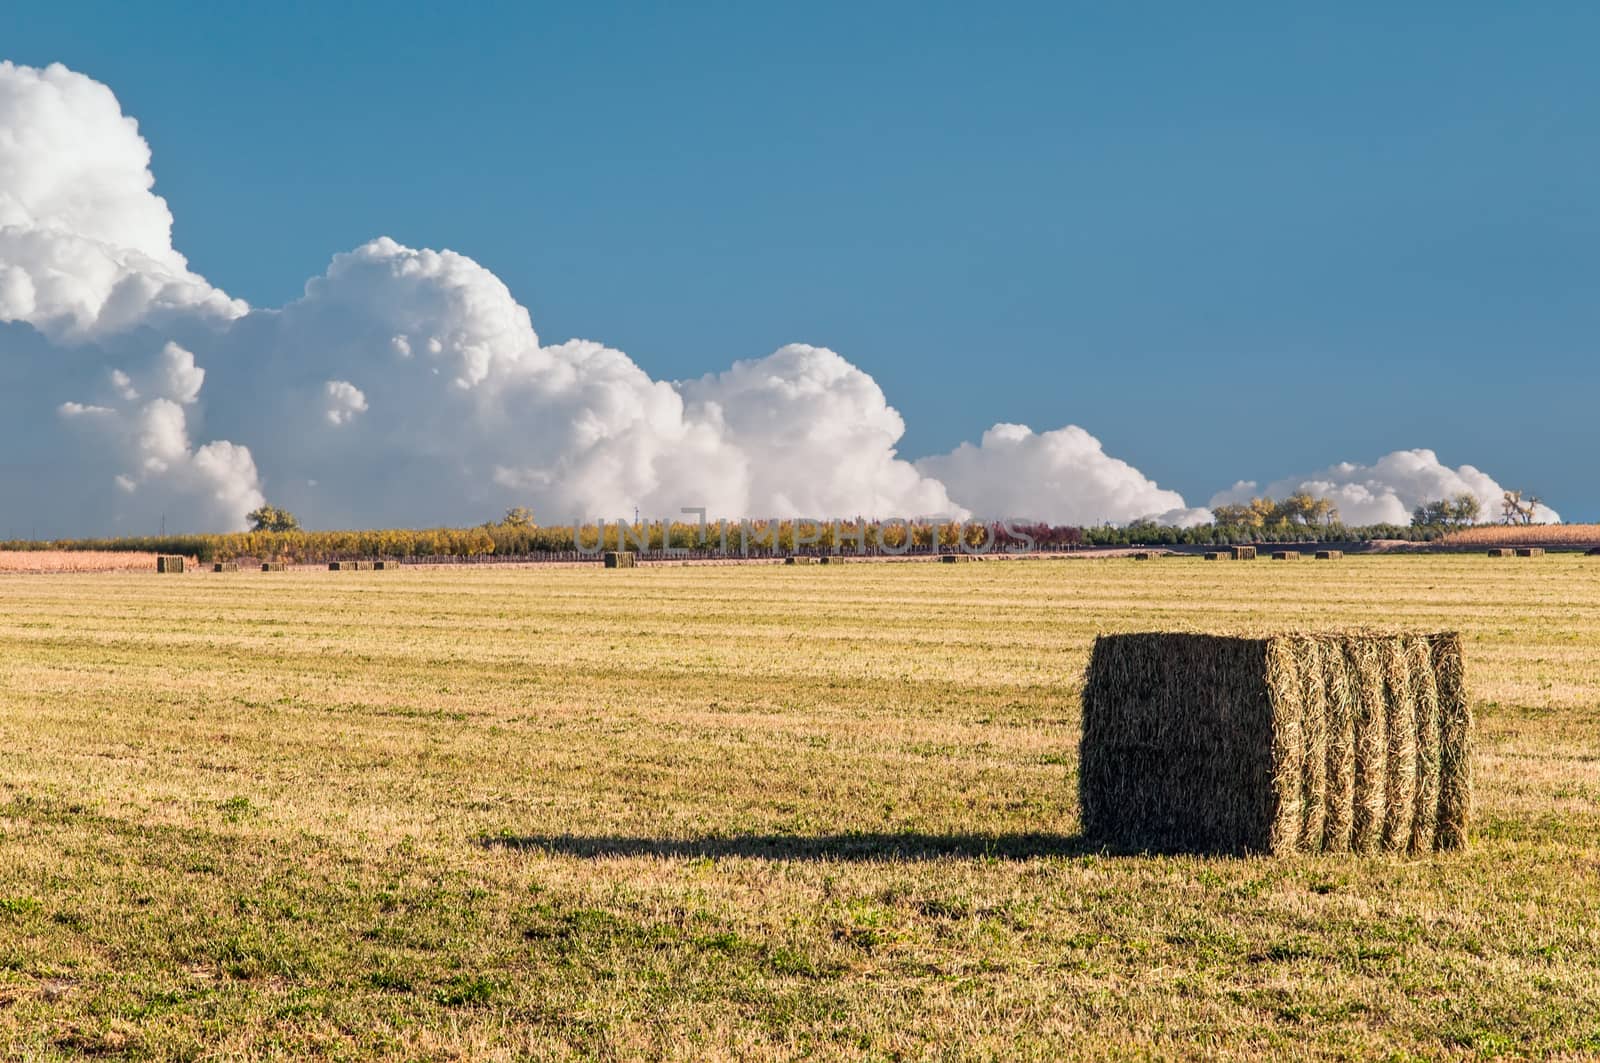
1523 534
744 812
56 561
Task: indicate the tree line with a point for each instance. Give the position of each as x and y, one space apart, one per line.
277 535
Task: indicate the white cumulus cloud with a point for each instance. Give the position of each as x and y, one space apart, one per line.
1388 490
85 245
345 400
408 386
1062 476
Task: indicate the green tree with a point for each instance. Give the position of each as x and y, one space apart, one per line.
272 519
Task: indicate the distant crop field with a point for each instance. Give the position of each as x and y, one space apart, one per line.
745 812
75 561
1521 534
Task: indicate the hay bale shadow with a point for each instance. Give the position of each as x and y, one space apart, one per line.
851 847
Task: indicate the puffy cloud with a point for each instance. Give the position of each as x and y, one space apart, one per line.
817 437
160 472
345 400
85 245
1388 490
408 386
1062 476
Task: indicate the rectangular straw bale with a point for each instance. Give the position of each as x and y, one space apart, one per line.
799 559
225 566
620 559
1143 555
1217 555
169 564
341 566
385 566
1244 553
1502 551
951 559
1279 744
272 566
1329 555
1285 555
1530 551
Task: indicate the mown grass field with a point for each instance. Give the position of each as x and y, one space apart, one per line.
756 812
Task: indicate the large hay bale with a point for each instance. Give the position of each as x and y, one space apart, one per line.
1279 744
830 559
1217 555
272 566
225 566
1502 551
1244 553
620 559
385 566
1285 555
1329 555
341 566
799 559
168 564
1530 551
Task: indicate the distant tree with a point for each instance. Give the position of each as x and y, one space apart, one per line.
519 517
1455 512
1300 509
272 519
1514 510
1466 509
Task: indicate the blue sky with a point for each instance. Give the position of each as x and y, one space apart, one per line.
1252 242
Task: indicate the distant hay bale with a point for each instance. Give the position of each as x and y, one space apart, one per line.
1143 555
1244 553
1289 743
800 559
1217 555
1285 555
384 566
1530 551
341 566
830 559
621 559
951 559
363 566
272 566
1329 555
165 564
225 566
1502 551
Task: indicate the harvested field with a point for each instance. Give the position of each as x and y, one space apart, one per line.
711 812
58 561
